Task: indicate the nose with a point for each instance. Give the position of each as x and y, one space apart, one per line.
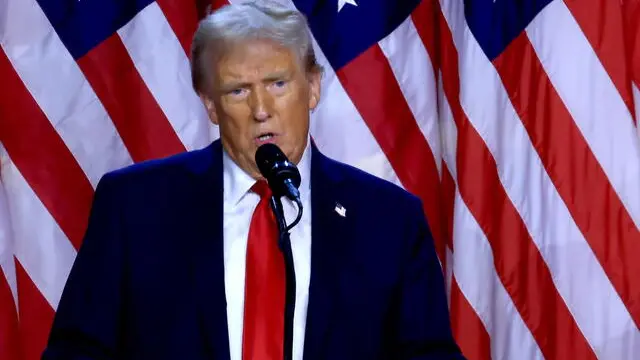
261 103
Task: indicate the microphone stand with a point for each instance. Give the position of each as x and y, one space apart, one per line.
290 295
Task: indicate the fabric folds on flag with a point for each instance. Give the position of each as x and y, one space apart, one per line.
516 123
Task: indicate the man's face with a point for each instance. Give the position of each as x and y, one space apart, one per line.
261 94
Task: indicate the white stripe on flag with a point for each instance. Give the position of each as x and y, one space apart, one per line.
592 99
448 134
43 249
338 128
473 260
7 264
340 131
448 130
164 67
636 97
58 86
589 294
411 66
448 274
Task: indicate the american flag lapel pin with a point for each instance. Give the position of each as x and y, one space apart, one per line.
340 210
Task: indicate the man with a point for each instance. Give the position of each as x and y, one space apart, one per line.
180 259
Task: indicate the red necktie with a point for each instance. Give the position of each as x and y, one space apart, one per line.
264 302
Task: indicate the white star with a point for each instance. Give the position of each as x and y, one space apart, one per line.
342 3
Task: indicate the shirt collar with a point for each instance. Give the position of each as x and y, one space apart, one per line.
238 182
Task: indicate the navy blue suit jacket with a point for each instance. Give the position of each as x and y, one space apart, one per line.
148 281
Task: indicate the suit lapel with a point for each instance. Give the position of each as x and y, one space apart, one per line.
330 230
208 249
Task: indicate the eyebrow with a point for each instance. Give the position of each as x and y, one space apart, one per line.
277 75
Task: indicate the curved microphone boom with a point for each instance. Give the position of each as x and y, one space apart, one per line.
281 174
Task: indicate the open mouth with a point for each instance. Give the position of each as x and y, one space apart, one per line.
266 136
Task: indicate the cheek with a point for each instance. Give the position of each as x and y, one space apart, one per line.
291 107
296 124
236 115
236 123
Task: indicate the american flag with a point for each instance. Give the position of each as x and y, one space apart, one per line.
514 121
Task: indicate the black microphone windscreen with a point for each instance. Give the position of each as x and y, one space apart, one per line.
281 174
266 156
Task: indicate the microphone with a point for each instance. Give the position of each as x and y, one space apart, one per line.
281 174
283 178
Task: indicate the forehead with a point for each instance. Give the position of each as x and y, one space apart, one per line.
255 58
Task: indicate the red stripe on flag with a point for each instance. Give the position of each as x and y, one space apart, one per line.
424 17
448 203
9 339
370 83
631 11
469 331
143 127
215 4
36 316
183 18
531 289
602 23
42 157
591 200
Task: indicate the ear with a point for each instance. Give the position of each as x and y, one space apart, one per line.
210 107
314 78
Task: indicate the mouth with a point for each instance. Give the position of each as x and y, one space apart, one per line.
264 138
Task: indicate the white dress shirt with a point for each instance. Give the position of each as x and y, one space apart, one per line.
239 204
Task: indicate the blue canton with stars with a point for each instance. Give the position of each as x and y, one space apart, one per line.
496 23
342 35
82 25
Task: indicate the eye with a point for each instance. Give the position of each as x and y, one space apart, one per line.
238 93
278 87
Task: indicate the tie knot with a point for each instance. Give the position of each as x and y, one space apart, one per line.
261 187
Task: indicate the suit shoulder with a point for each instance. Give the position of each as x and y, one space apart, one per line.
161 168
368 185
